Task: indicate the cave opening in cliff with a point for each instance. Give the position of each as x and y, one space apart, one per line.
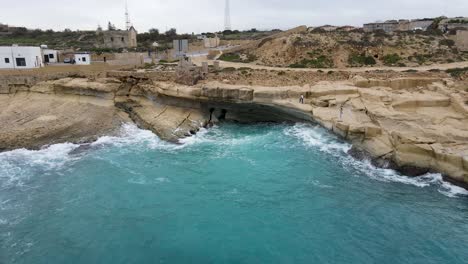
223 115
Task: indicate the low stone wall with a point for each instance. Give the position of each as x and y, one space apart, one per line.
131 58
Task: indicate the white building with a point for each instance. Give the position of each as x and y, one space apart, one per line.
15 57
82 59
50 56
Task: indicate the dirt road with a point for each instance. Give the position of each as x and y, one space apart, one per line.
236 65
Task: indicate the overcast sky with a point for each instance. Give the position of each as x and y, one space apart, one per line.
208 15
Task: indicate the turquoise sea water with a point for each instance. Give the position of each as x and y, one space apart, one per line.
233 194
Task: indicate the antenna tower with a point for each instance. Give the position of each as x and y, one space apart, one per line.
127 17
227 17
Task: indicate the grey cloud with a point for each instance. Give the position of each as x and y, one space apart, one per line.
208 15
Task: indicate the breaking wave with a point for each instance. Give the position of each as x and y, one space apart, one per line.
16 166
318 138
131 135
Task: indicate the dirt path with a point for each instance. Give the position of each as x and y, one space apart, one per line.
237 65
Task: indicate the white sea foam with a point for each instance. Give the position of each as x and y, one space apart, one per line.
130 135
200 137
216 136
319 138
162 180
451 190
51 157
15 165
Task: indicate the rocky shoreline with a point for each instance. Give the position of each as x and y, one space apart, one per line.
413 125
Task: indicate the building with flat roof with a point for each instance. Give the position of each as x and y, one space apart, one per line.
391 26
82 58
15 57
49 55
387 26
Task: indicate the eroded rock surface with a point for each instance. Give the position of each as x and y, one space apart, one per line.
414 125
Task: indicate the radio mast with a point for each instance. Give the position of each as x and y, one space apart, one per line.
128 25
227 17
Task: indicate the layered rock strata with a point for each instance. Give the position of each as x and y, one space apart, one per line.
415 125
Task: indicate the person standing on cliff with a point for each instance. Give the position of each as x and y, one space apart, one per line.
301 100
341 112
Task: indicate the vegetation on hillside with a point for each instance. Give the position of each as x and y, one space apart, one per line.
361 60
235 57
323 49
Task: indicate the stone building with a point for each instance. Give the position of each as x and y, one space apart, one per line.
3 27
211 42
461 40
421 24
189 74
391 26
453 23
387 26
119 39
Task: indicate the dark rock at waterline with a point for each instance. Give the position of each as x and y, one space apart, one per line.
387 163
359 154
81 149
412 171
463 185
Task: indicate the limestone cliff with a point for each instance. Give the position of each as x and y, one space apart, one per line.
414 125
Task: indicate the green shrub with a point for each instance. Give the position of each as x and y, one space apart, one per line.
250 58
391 59
148 65
356 59
229 69
321 61
232 57
297 65
447 42
315 52
456 72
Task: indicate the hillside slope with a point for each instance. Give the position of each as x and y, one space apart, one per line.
338 49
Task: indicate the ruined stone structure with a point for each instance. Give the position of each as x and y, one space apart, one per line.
407 25
189 74
453 23
211 42
400 25
387 26
461 40
119 39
